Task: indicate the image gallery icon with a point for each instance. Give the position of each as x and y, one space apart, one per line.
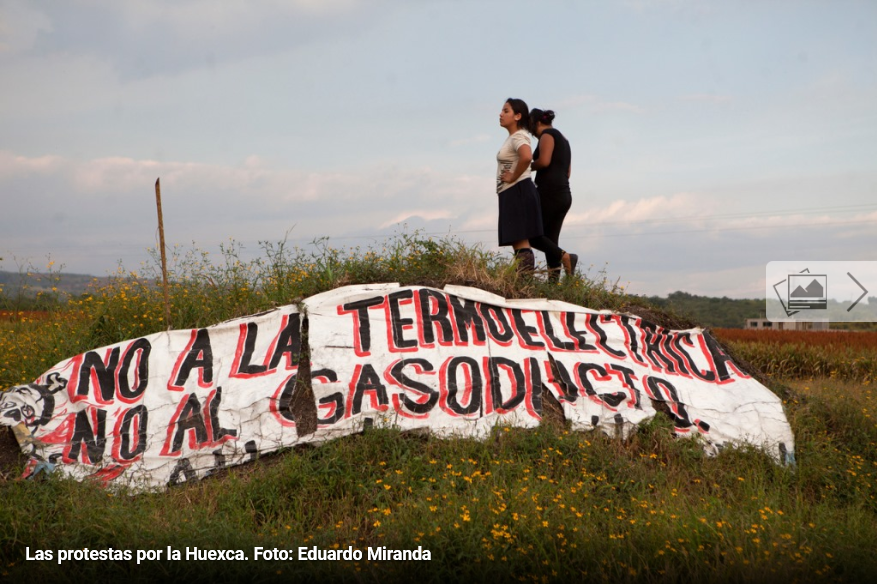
807 292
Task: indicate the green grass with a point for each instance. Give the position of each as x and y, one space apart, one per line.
528 505
205 290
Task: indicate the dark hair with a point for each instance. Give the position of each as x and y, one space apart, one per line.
537 115
519 106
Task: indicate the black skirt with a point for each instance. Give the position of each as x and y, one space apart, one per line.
520 215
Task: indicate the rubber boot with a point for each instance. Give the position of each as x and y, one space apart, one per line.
526 261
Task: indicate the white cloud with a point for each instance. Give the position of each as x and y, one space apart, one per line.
426 214
768 226
252 191
677 207
93 213
13 166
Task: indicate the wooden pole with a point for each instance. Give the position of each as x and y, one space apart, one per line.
167 304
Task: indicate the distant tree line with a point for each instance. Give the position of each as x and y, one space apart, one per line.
711 312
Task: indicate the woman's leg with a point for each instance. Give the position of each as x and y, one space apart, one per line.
551 250
553 254
524 257
555 206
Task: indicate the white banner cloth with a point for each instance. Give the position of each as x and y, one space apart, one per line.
176 406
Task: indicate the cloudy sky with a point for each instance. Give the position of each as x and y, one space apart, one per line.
708 138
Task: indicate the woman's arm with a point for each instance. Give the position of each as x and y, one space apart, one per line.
546 149
525 155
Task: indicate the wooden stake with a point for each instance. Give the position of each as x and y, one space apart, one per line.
167 304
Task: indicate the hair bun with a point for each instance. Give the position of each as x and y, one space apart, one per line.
548 116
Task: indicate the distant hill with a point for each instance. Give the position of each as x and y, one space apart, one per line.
28 285
727 312
709 312
712 312
706 310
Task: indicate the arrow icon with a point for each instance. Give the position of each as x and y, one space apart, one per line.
860 286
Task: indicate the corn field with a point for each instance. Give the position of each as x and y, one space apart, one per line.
806 354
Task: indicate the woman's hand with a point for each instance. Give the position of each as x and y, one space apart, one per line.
525 156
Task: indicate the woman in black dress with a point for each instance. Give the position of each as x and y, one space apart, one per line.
520 218
552 163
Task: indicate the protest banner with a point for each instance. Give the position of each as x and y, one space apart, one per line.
178 405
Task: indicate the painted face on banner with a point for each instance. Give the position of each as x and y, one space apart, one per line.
25 403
